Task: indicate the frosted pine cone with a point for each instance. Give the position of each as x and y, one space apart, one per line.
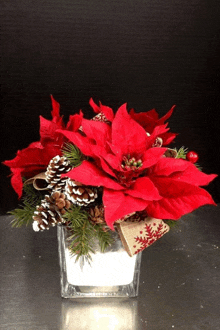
80 194
158 143
57 166
101 117
50 212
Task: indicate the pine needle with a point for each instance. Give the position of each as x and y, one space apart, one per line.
104 236
181 153
83 232
23 214
73 154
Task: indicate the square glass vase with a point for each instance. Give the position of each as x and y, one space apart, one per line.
110 274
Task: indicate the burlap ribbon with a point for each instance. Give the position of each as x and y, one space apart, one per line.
39 181
137 236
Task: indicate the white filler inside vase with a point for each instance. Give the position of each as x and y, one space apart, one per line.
111 268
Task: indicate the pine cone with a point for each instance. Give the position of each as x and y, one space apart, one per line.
60 200
172 153
80 194
158 143
101 117
96 214
133 217
57 166
50 212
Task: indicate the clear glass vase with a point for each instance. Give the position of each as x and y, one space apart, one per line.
110 274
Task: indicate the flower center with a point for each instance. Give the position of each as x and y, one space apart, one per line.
130 170
131 163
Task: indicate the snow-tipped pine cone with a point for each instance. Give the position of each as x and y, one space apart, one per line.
57 166
101 117
49 212
80 194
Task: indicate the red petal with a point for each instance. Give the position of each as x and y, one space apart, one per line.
167 166
106 167
145 119
32 157
98 131
158 131
127 133
113 161
179 199
168 138
149 120
181 170
145 189
166 116
56 113
74 122
117 205
193 176
152 156
35 145
29 162
48 130
56 108
94 106
107 111
83 143
88 174
16 181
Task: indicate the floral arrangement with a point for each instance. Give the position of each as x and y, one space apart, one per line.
113 172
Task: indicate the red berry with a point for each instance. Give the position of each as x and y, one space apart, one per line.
192 156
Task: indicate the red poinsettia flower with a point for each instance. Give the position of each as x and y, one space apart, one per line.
148 120
135 176
35 158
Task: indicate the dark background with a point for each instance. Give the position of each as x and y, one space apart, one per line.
146 53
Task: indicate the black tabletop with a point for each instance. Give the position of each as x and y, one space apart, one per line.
179 283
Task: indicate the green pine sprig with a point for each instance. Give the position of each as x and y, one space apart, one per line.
23 215
181 152
83 232
73 154
103 235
